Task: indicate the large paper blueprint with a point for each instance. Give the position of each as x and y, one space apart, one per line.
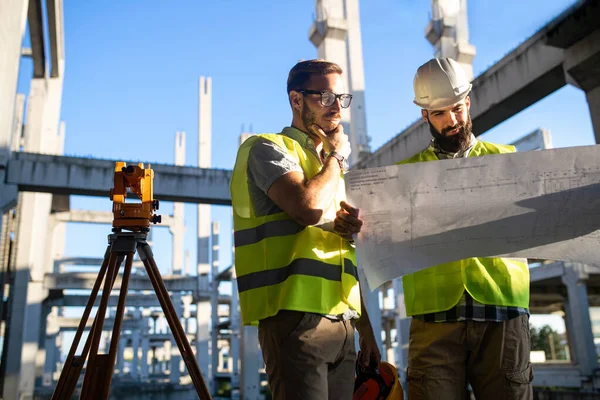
542 204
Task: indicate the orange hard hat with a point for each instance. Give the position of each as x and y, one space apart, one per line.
381 383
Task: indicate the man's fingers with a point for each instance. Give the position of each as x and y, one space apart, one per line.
349 222
317 129
351 210
349 219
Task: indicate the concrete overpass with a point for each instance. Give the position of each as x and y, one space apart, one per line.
566 50
94 177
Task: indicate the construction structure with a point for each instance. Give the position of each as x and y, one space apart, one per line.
43 290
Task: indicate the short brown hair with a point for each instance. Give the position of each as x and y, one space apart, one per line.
301 73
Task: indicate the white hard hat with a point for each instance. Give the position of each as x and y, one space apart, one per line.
439 83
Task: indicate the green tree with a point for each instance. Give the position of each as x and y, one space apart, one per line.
550 341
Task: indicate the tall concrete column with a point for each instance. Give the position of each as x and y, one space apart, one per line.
328 34
203 227
581 70
234 315
120 365
41 135
250 379
145 349
336 34
593 99
356 78
371 299
448 32
578 315
402 330
13 16
177 229
214 312
175 355
51 348
135 348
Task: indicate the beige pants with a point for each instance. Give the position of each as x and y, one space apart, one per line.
307 356
491 356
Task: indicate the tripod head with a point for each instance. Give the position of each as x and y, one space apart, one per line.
137 180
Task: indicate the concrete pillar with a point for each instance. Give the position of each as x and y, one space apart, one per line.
202 336
593 99
581 338
50 345
214 312
203 227
177 229
175 365
135 347
41 135
204 161
145 348
13 15
371 300
187 312
402 331
234 316
250 379
448 32
581 70
328 34
336 34
356 78
120 365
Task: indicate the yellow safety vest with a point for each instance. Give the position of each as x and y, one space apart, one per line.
282 265
494 281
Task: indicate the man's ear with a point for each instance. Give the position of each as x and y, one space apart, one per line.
296 100
468 102
425 115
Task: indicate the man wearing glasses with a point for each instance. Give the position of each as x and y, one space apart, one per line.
295 260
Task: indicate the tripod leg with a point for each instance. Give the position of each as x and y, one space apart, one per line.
165 302
73 365
103 374
96 332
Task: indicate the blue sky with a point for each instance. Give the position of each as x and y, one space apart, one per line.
132 71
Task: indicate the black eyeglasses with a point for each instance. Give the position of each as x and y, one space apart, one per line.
328 97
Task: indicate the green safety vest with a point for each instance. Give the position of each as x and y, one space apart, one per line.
282 265
494 281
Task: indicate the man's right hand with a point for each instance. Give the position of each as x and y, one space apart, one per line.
336 140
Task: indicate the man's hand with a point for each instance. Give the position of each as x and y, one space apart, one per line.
369 355
336 140
347 221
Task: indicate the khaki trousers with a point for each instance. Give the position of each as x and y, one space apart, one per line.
307 356
491 356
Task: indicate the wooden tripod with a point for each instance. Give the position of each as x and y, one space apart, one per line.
100 367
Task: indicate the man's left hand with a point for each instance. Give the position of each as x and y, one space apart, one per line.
369 355
347 221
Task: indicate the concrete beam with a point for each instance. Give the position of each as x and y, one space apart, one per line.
94 177
525 75
36 34
557 375
85 280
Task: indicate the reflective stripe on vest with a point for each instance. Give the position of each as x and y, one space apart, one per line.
300 266
281 264
494 281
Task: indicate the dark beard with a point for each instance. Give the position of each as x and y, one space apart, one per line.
453 143
308 119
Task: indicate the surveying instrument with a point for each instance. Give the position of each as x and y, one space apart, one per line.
131 224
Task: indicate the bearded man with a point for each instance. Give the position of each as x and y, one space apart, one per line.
470 318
